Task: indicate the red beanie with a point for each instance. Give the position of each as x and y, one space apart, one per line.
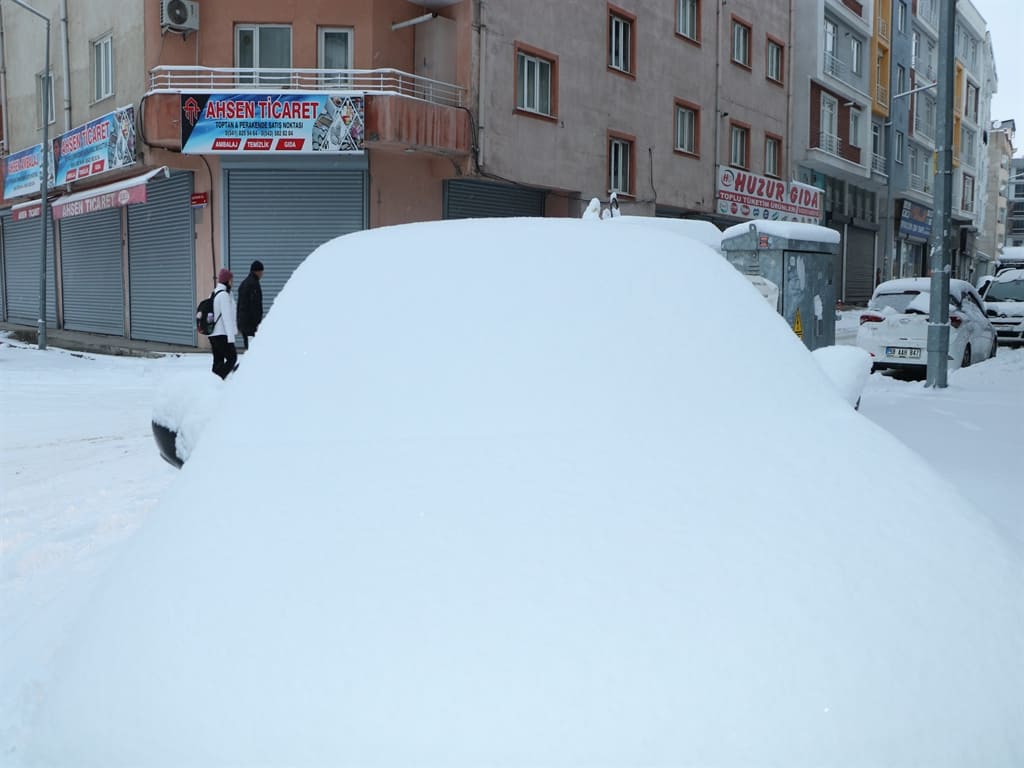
224 276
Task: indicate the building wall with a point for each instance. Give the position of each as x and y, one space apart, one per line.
571 152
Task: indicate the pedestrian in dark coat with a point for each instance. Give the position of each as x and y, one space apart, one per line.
250 303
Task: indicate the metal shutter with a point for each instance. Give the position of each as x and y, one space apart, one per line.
281 216
22 242
860 265
470 199
92 281
161 263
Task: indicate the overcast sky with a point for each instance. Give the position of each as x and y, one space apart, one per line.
1005 17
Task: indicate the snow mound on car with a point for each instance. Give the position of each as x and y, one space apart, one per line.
550 493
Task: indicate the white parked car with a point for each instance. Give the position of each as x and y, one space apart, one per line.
1004 304
894 328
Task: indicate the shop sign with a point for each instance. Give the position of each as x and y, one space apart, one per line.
104 144
200 199
23 171
100 202
251 123
33 211
752 196
915 221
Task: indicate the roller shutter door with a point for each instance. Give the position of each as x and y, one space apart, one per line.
860 265
22 241
471 199
161 263
280 216
92 279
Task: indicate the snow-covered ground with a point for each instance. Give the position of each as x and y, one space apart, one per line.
80 476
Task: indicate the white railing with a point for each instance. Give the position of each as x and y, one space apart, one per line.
924 128
881 94
920 183
878 163
173 79
830 143
834 65
883 28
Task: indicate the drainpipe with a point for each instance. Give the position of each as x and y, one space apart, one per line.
67 64
481 108
3 82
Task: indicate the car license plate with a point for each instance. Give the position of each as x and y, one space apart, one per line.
909 353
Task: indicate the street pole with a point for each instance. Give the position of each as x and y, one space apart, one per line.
942 235
44 182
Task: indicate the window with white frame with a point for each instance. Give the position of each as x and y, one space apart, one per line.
856 56
103 68
967 200
877 142
263 47
897 154
968 153
533 84
855 127
44 98
620 36
971 102
740 43
688 19
901 16
772 155
334 53
619 158
739 144
901 79
686 129
774 61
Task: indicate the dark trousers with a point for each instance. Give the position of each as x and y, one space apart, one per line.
224 355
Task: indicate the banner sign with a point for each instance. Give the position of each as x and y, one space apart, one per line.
22 172
104 144
100 202
225 123
751 196
915 221
27 212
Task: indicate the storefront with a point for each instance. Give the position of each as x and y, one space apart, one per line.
913 233
22 247
469 198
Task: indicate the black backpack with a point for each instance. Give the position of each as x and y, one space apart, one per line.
205 321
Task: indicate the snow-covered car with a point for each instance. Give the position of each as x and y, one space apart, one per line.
1004 304
476 497
894 327
847 367
182 407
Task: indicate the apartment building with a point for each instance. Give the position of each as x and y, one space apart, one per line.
839 97
191 135
1015 203
995 203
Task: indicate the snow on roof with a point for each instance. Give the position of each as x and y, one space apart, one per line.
1009 275
696 229
1012 253
793 230
923 284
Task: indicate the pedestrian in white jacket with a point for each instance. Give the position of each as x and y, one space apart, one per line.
222 339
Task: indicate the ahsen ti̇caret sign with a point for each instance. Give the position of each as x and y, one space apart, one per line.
224 123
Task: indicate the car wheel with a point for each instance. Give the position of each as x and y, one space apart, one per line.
966 361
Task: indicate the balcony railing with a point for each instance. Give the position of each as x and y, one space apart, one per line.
883 29
834 65
924 128
882 94
921 183
174 79
878 164
830 143
925 68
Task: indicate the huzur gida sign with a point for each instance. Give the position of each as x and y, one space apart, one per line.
752 196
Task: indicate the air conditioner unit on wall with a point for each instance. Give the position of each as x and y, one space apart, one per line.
179 15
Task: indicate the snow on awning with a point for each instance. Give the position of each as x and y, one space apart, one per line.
30 209
116 195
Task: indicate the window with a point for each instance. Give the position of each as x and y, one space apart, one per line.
971 103
877 143
832 65
688 19
687 128
102 68
967 201
901 80
772 155
44 98
335 52
739 143
901 16
536 82
620 170
967 145
854 127
741 42
898 152
620 41
856 56
773 65
265 46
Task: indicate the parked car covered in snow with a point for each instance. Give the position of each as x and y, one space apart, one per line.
894 328
480 496
1004 304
